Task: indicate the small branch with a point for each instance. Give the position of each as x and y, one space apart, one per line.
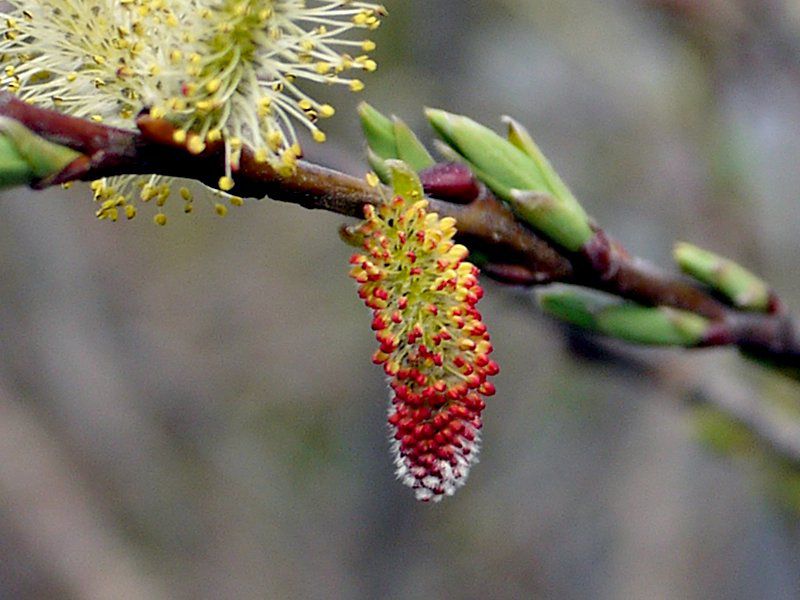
607 266
110 151
513 253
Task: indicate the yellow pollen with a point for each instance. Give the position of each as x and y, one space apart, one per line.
196 145
225 183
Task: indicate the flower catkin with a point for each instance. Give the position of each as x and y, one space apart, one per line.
237 74
434 347
227 71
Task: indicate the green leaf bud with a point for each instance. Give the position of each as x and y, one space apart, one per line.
26 157
559 222
379 131
410 149
405 181
574 305
514 170
522 139
740 286
621 319
378 165
505 164
14 170
659 326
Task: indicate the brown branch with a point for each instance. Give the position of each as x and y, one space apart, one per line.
110 151
512 252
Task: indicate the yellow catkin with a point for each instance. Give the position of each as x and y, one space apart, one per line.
210 67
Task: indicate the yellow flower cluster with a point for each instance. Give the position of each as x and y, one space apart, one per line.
237 70
227 71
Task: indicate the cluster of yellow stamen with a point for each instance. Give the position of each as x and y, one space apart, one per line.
117 197
224 71
88 58
434 346
235 75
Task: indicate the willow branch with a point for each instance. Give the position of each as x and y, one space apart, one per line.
513 252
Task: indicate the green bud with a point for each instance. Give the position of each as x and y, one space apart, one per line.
575 305
378 165
621 319
26 157
659 326
513 170
561 223
379 131
507 166
742 287
389 139
410 149
14 170
522 139
448 154
405 181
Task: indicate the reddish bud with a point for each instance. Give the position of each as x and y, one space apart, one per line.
453 182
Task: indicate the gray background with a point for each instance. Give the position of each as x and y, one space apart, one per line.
191 411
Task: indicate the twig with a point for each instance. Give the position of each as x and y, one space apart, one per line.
110 151
514 254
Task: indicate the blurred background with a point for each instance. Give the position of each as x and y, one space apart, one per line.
191 411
